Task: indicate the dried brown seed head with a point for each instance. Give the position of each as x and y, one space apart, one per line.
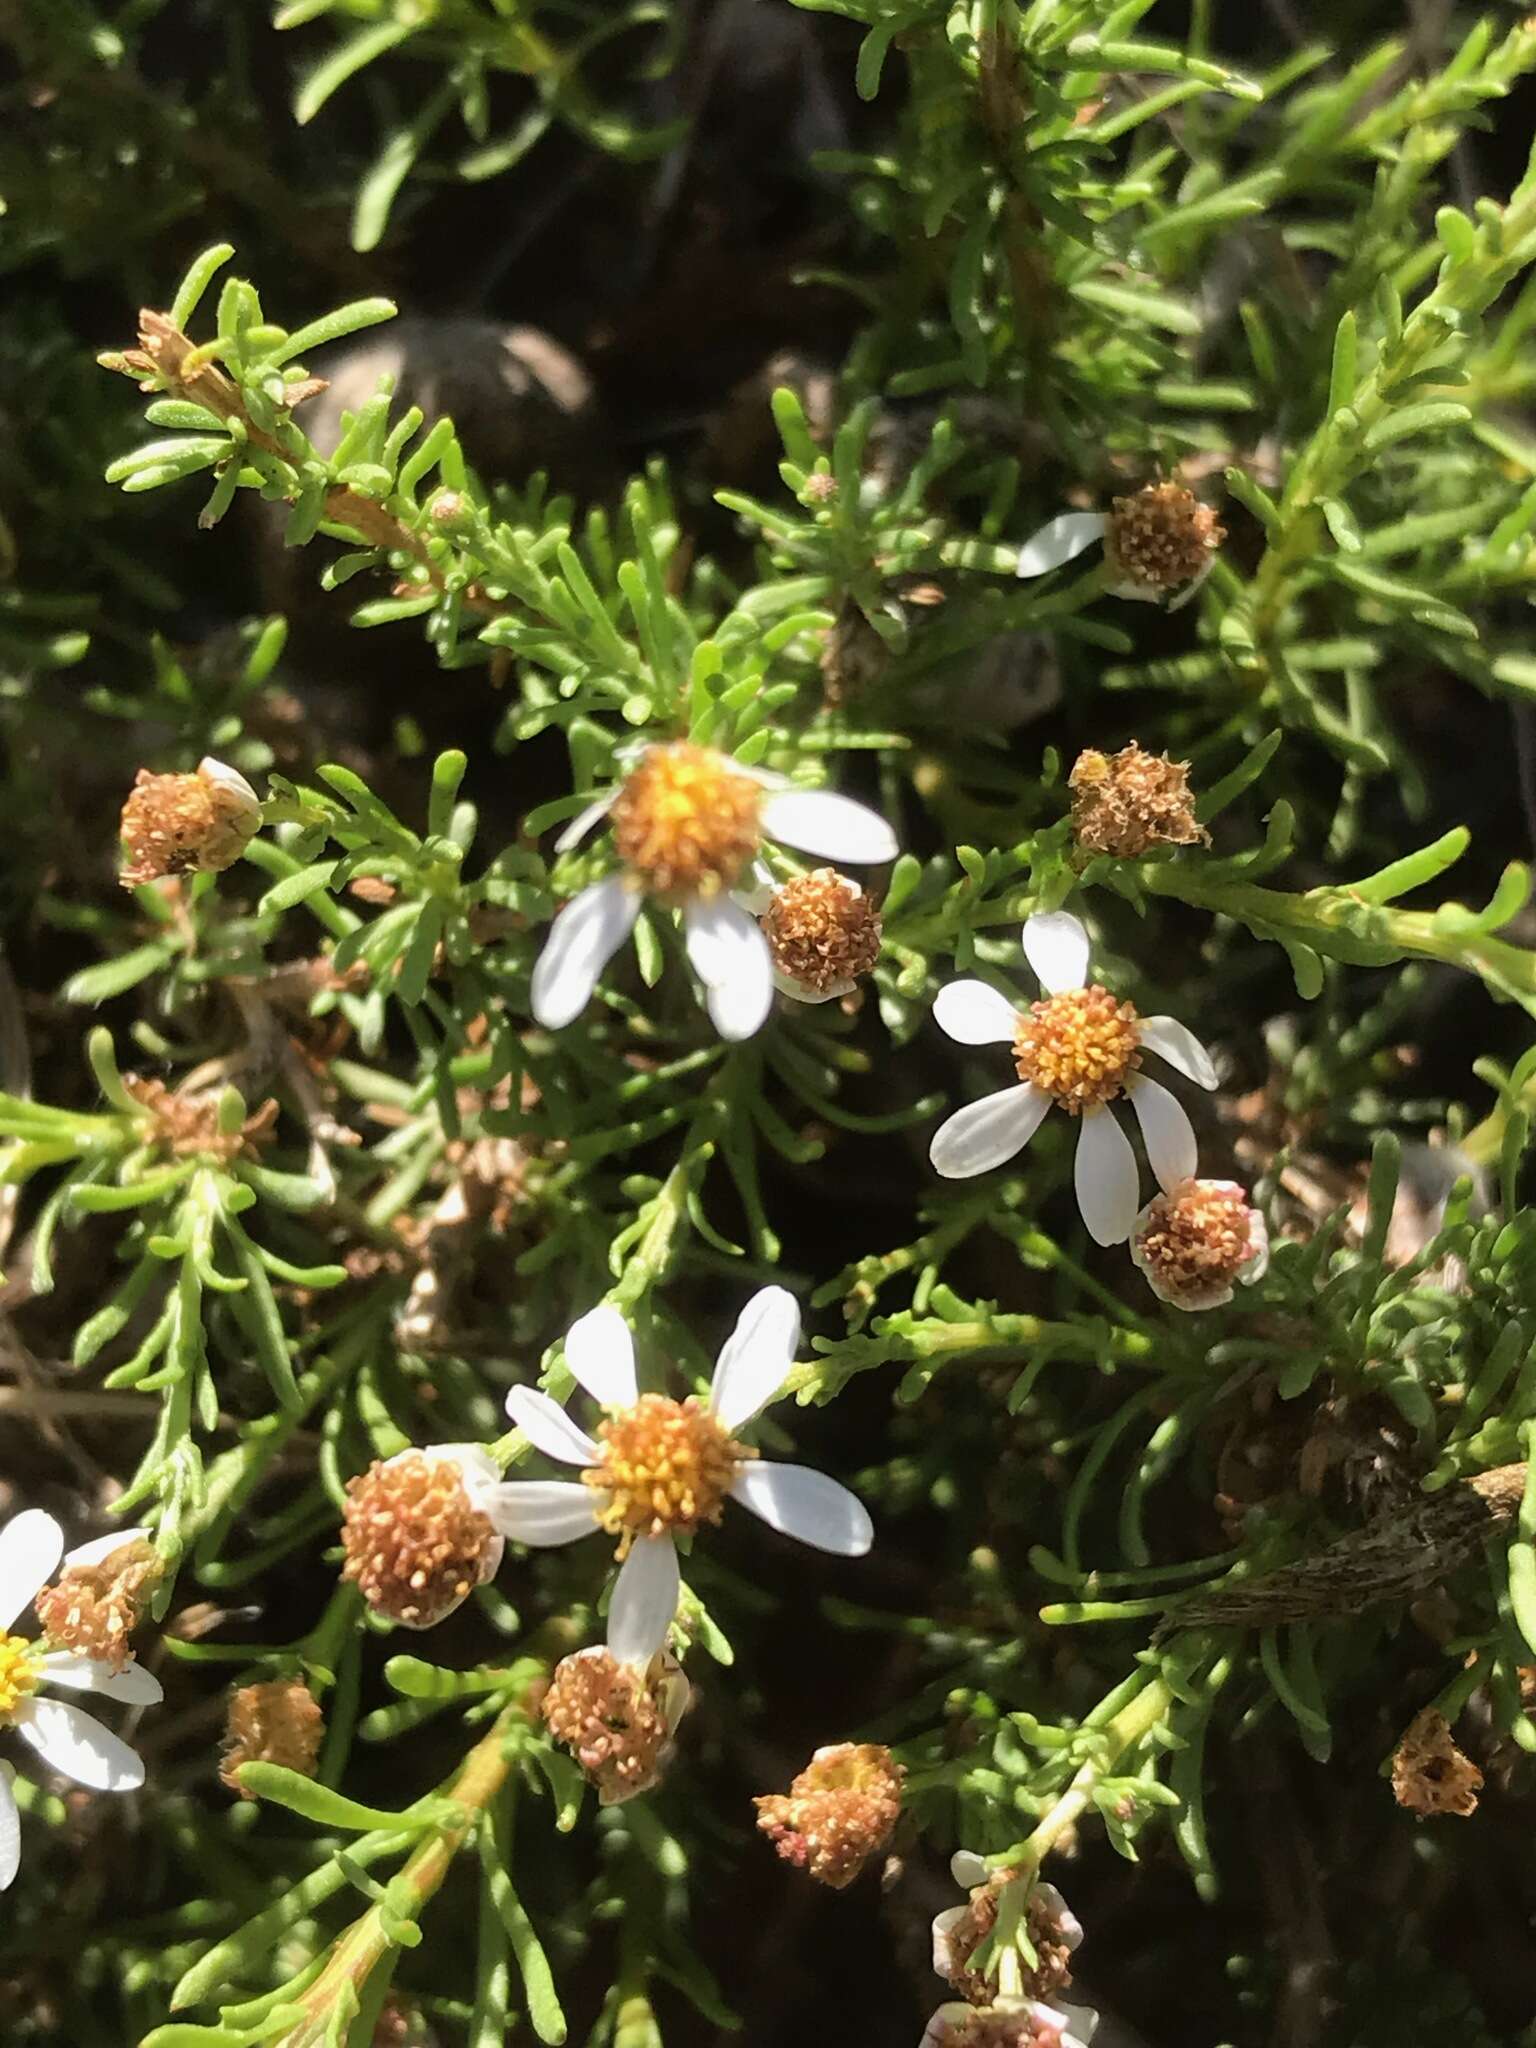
276 1721
1198 1242
416 1544
1430 1774
618 1722
822 931
685 821
93 1609
837 1813
1161 537
1125 804
187 1126
183 824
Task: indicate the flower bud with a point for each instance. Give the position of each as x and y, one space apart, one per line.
618 1721
837 1813
182 824
98 1600
1430 1774
1195 1243
1160 538
276 1721
823 933
416 1533
1125 804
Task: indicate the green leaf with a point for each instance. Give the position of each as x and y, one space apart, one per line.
349 319
329 1809
344 62
1341 374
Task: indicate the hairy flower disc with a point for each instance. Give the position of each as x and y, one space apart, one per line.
1194 1242
685 822
415 1543
21 1671
1079 1046
667 1465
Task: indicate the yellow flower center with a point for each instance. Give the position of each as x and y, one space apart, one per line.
1078 1046
686 822
667 1465
21 1671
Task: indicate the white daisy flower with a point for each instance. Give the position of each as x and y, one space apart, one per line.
1080 1048
658 1468
1009 2023
687 823
1197 1241
1160 544
71 1741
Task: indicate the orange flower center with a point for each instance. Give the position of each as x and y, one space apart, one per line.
686 822
1078 1046
665 1465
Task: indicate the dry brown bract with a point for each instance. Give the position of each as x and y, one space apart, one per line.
415 1543
1161 537
188 1125
1430 1774
93 1609
1125 804
822 931
838 1813
277 1721
616 1721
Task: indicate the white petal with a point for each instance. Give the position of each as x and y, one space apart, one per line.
601 1353
644 1600
549 1429
582 940
1178 1045
968 1869
1257 1263
1165 1126
944 1925
228 779
1060 540
10 1832
806 1505
731 958
973 1013
31 1545
1056 946
755 895
133 1686
584 820
1068 1929
72 1742
799 992
542 1512
755 1359
985 1133
101 1547
820 821
1105 1173
1082 2025
942 2025
1192 588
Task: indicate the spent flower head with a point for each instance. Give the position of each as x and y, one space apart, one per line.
422 1529
1050 1929
275 1721
617 1720
837 1813
1430 1774
99 1598
823 933
68 1739
1010 2023
183 824
658 1468
1126 804
1160 544
1197 1241
687 823
1078 1048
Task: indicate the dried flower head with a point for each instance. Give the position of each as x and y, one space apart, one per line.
416 1532
1052 1929
98 1600
617 1720
1430 1774
180 824
1124 804
188 1125
1160 538
1198 1241
823 933
276 1721
685 822
837 1813
1010 2023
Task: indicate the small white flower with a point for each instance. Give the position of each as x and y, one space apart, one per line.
1199 1240
1010 2023
687 823
65 1737
663 1467
1080 1048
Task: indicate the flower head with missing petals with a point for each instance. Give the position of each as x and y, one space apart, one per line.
179 824
1160 544
275 1721
617 1720
420 1531
687 822
1197 1241
72 1742
1079 1048
1010 2023
660 1468
838 1812
1126 804
1042 1960
98 1600
823 932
